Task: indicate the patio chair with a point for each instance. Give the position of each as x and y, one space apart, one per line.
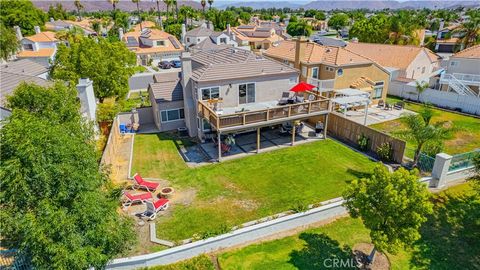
299 99
140 183
154 207
284 99
388 106
399 105
318 128
130 199
123 128
381 104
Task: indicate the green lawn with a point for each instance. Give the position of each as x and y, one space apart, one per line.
449 241
223 195
135 101
198 263
465 139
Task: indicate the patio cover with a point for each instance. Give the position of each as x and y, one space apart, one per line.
351 92
350 101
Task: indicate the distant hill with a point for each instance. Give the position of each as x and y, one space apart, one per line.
260 4
125 5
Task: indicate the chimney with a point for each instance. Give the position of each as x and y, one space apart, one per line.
442 25
37 29
300 45
18 32
184 33
229 31
88 104
210 25
189 91
120 33
186 59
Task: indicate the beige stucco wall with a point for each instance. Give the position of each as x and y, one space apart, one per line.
465 65
414 70
171 125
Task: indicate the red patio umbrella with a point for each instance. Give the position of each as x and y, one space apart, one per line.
302 87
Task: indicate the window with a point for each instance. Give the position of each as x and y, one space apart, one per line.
378 90
315 72
340 72
329 69
454 63
172 115
160 43
304 71
286 62
28 47
188 39
206 125
210 93
293 80
246 93
423 70
223 40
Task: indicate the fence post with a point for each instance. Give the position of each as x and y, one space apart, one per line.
440 170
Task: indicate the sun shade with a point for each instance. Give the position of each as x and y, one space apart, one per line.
302 87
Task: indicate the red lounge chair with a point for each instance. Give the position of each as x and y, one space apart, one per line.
136 198
140 183
154 207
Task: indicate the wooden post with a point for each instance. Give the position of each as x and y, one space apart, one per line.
289 110
243 119
309 107
219 140
293 133
258 140
268 114
325 126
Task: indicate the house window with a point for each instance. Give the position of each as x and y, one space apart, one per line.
28 47
340 72
188 39
286 62
293 80
315 72
329 69
246 93
210 93
378 90
304 71
223 40
160 43
172 115
454 63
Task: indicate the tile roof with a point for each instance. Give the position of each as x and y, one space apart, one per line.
46 36
208 44
387 55
234 63
472 52
167 87
199 32
254 33
45 52
24 67
10 81
152 34
315 53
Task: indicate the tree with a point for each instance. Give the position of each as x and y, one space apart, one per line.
186 12
137 2
56 207
174 29
317 14
210 3
421 87
374 29
23 14
203 3
8 42
108 64
422 131
57 12
245 17
300 28
476 177
175 3
114 4
392 206
338 21
470 30
159 15
79 8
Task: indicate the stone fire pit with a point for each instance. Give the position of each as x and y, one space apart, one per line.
166 192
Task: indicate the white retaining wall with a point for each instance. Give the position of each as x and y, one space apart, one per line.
449 100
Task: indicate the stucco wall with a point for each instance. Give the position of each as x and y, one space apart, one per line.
469 66
414 70
171 125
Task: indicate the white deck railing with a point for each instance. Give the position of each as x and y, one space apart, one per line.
323 85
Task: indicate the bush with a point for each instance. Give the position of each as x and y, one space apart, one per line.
363 142
218 231
433 148
385 152
300 206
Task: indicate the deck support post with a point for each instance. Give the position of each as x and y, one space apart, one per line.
325 126
219 140
293 133
258 140
366 114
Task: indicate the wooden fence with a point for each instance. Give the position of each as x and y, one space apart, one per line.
112 143
349 131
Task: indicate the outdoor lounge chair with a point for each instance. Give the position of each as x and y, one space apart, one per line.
284 99
381 104
399 105
154 207
136 198
140 183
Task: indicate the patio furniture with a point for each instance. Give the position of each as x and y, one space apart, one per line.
140 183
388 106
130 199
123 128
299 99
284 99
399 105
318 128
154 207
381 104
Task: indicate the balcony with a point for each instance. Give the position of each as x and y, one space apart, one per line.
261 113
322 85
468 79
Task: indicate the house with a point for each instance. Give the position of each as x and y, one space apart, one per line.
65 25
317 25
205 38
462 73
405 62
257 37
227 92
329 41
151 44
448 40
40 48
333 68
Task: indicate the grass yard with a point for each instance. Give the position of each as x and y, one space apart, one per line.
449 241
135 101
220 196
465 139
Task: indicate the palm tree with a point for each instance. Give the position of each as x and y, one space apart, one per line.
187 12
138 12
175 2
114 4
421 131
167 3
203 3
210 3
470 30
421 87
79 7
159 15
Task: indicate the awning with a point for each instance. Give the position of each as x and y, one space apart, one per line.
351 100
351 92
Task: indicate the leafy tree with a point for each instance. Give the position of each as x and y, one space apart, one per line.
107 64
174 29
23 14
421 87
186 12
245 17
57 12
392 206
79 8
374 29
203 3
317 14
470 30
55 205
210 3
338 21
300 28
422 131
229 17
8 42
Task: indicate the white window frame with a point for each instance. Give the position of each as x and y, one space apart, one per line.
375 87
329 69
315 69
246 94
304 71
340 69
158 41
210 92
166 113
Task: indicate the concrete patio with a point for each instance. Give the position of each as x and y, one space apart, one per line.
375 115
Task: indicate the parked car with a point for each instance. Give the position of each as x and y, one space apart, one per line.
176 63
164 65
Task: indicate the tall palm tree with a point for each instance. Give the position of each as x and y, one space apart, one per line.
421 87
79 7
113 3
470 30
167 3
187 12
210 3
138 12
159 15
175 2
203 3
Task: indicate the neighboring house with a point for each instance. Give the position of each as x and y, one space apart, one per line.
227 91
40 47
462 73
406 62
317 25
205 38
257 37
65 25
15 72
333 68
151 44
448 41
329 41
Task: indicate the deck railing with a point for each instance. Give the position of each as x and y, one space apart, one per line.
322 85
220 121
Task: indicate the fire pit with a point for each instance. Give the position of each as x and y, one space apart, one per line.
166 192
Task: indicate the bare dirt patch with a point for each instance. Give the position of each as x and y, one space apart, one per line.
361 252
185 196
248 205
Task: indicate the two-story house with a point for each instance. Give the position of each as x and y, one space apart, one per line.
40 48
333 68
226 92
448 39
151 44
257 37
205 38
462 73
65 25
406 62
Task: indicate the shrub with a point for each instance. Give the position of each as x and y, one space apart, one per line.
363 142
385 152
433 148
300 206
214 232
